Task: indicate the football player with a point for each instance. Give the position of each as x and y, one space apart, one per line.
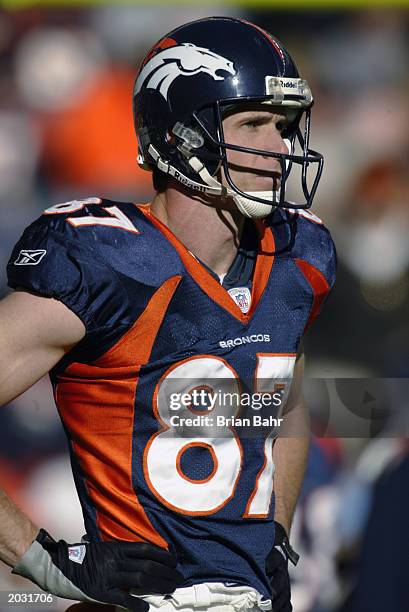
129 306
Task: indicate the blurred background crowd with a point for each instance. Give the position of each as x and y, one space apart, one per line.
66 133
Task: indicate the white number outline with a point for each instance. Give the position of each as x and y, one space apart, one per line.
281 365
116 218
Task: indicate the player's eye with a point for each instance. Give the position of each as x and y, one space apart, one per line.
253 123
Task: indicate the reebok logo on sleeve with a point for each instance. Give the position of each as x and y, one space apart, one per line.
28 257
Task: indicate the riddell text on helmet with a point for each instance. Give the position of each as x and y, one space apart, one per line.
184 180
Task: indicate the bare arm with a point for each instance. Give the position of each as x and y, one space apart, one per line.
35 332
16 531
290 451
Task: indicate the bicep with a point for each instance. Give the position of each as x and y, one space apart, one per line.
35 333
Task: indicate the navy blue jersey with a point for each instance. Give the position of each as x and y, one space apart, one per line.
156 319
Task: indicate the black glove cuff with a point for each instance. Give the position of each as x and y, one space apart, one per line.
281 539
280 533
44 537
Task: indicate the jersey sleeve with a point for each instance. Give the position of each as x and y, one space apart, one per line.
313 253
324 257
49 262
319 270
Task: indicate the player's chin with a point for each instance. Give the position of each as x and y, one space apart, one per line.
90 607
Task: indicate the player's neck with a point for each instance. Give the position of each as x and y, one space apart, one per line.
212 235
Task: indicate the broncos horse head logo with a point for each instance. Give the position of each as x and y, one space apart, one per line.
181 60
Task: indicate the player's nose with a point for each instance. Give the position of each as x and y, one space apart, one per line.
274 143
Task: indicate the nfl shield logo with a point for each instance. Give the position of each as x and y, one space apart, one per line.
242 297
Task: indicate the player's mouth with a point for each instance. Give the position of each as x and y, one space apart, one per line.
271 179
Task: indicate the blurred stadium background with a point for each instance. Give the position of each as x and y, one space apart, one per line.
66 133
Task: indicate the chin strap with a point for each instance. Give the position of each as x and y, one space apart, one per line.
247 206
167 168
257 210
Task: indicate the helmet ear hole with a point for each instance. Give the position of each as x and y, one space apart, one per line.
190 137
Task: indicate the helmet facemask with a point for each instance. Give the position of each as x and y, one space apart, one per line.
202 145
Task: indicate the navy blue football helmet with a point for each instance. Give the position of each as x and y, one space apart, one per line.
187 83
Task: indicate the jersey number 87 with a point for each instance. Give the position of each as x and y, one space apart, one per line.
162 455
